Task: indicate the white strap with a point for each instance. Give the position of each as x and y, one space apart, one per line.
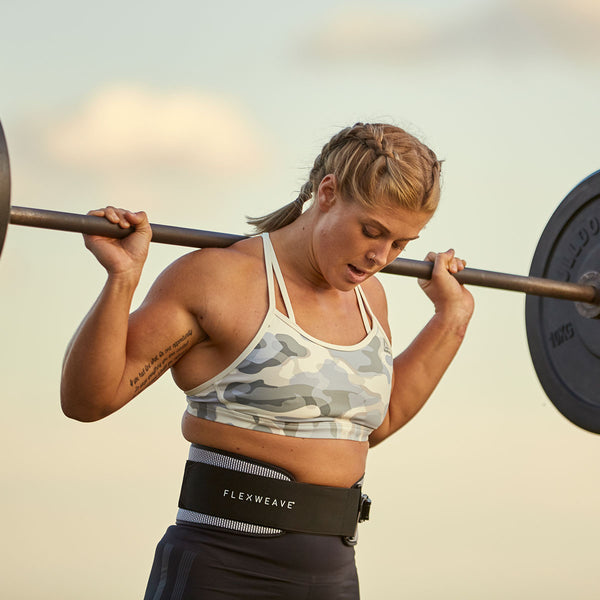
362 302
273 266
267 250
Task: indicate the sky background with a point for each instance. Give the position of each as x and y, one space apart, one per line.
201 113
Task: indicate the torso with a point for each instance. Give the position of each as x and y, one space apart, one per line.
323 462
231 317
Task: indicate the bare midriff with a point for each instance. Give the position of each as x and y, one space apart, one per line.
339 463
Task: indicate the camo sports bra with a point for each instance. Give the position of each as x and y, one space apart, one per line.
287 382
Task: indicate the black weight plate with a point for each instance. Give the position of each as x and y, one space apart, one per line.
564 345
4 188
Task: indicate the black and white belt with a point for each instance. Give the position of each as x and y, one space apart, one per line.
230 491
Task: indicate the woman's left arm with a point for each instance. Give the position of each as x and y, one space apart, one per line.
418 369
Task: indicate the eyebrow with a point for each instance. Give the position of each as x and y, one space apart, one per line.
386 231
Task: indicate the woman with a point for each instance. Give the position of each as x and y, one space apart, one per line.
282 345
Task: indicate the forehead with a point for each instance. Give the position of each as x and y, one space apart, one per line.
393 220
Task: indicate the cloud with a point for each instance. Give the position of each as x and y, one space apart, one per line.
570 25
502 28
360 32
130 127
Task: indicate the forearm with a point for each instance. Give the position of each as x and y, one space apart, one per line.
95 359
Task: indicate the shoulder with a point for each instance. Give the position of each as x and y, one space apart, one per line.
212 278
214 265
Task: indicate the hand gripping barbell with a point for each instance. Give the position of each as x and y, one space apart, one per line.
563 286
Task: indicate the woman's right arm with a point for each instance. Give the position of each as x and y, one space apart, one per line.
114 356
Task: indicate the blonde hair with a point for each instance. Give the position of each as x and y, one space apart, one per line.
372 163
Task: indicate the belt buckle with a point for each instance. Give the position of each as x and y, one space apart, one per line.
364 510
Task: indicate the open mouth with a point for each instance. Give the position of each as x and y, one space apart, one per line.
356 272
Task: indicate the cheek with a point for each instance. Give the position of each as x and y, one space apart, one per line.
325 250
332 238
338 241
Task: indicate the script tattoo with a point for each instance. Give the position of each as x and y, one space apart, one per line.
159 363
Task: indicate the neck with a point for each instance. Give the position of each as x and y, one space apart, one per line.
295 251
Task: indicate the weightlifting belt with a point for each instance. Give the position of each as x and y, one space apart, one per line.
265 501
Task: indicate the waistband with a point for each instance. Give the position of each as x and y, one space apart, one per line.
230 491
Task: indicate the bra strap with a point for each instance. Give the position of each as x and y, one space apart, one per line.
272 266
362 304
267 249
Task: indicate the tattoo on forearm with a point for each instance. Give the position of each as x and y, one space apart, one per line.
159 363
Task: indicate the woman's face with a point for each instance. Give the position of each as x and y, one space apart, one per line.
353 242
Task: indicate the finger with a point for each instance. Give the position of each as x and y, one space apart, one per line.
447 261
136 218
110 213
444 260
457 264
119 216
453 264
99 212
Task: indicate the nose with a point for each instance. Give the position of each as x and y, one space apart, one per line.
379 254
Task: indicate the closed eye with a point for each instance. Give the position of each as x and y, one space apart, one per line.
371 233
375 233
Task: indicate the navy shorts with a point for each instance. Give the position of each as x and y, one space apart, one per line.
198 563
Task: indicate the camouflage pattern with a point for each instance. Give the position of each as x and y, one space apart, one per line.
287 382
290 384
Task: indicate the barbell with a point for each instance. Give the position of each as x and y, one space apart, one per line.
563 286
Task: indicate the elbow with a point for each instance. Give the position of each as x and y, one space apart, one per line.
78 414
373 442
377 437
79 410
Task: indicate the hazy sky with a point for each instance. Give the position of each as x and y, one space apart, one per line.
202 113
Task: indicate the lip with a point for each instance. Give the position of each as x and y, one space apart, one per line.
357 275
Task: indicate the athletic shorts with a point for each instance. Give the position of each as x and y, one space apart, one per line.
200 563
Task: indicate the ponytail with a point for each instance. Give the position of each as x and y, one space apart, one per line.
285 215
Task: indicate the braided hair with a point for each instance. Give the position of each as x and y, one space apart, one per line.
372 162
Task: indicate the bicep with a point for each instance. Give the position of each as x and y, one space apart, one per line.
160 332
159 335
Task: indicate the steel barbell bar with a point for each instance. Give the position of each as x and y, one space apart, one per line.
197 238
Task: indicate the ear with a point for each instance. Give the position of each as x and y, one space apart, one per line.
327 192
